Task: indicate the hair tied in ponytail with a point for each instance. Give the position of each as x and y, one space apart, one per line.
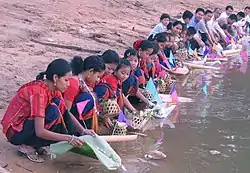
41 76
77 65
137 44
130 52
128 55
59 67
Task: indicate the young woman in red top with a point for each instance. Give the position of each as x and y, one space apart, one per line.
111 60
144 48
110 87
86 73
130 87
37 117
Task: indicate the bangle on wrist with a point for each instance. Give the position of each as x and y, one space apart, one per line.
72 139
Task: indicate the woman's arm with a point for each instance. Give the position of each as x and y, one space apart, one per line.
79 127
139 95
52 136
128 104
199 41
166 69
212 36
210 40
227 34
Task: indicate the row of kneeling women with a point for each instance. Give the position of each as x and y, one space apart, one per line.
74 98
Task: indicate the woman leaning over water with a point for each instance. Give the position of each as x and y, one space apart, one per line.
37 117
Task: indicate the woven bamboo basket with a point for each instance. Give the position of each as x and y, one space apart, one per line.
139 120
162 86
146 94
165 85
120 128
110 108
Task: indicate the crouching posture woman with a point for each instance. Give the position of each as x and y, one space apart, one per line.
37 117
79 97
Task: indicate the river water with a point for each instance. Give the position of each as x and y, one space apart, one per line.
211 135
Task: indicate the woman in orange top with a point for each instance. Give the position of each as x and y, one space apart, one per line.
79 98
37 117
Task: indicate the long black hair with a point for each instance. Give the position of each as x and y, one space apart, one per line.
59 67
79 65
130 52
110 57
143 45
156 49
122 64
161 37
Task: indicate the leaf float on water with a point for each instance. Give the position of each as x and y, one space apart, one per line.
214 152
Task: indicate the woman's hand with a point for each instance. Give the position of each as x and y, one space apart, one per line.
108 123
181 44
89 132
151 104
174 47
133 111
202 44
75 141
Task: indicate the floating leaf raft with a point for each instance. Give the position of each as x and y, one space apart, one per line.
96 147
85 150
